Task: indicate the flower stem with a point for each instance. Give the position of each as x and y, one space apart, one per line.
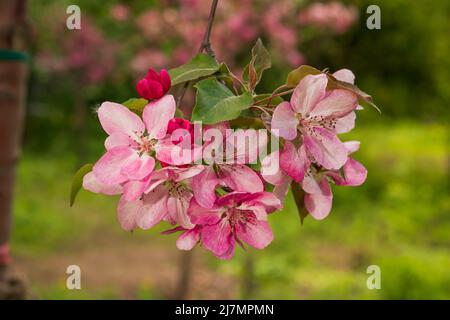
269 99
205 45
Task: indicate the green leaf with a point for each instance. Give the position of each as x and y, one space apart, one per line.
136 104
200 66
299 195
295 76
259 62
215 102
363 97
77 181
247 122
225 76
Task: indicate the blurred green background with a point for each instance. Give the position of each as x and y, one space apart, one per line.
399 219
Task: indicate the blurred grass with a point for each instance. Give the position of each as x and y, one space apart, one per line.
399 219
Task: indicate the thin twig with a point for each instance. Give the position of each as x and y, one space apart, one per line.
275 95
205 45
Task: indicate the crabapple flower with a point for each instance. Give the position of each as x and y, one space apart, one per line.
229 169
154 85
131 143
314 112
319 197
236 217
164 195
316 183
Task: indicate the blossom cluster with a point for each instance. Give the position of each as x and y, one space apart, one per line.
220 200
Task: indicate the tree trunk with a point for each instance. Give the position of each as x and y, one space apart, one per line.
13 74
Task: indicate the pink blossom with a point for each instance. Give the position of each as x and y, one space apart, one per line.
318 194
164 195
228 169
131 143
154 85
319 197
120 12
236 217
332 15
316 114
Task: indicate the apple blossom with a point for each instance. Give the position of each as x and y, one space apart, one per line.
228 167
236 217
164 195
313 113
132 142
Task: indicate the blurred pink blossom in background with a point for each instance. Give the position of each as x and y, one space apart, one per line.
332 15
119 12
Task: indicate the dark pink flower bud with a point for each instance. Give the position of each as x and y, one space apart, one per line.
154 85
178 123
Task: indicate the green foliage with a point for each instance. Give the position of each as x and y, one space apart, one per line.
295 76
200 66
259 62
77 181
136 104
215 102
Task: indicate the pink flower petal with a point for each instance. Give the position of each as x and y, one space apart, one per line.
204 216
346 123
281 190
284 121
308 93
241 178
91 183
154 208
145 166
187 173
267 200
354 174
338 103
326 148
230 252
178 209
165 80
244 146
127 213
311 185
352 146
118 139
204 185
108 169
218 238
319 204
345 75
188 239
270 169
157 114
115 117
133 190
294 162
257 234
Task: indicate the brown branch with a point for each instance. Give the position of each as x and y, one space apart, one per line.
205 45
